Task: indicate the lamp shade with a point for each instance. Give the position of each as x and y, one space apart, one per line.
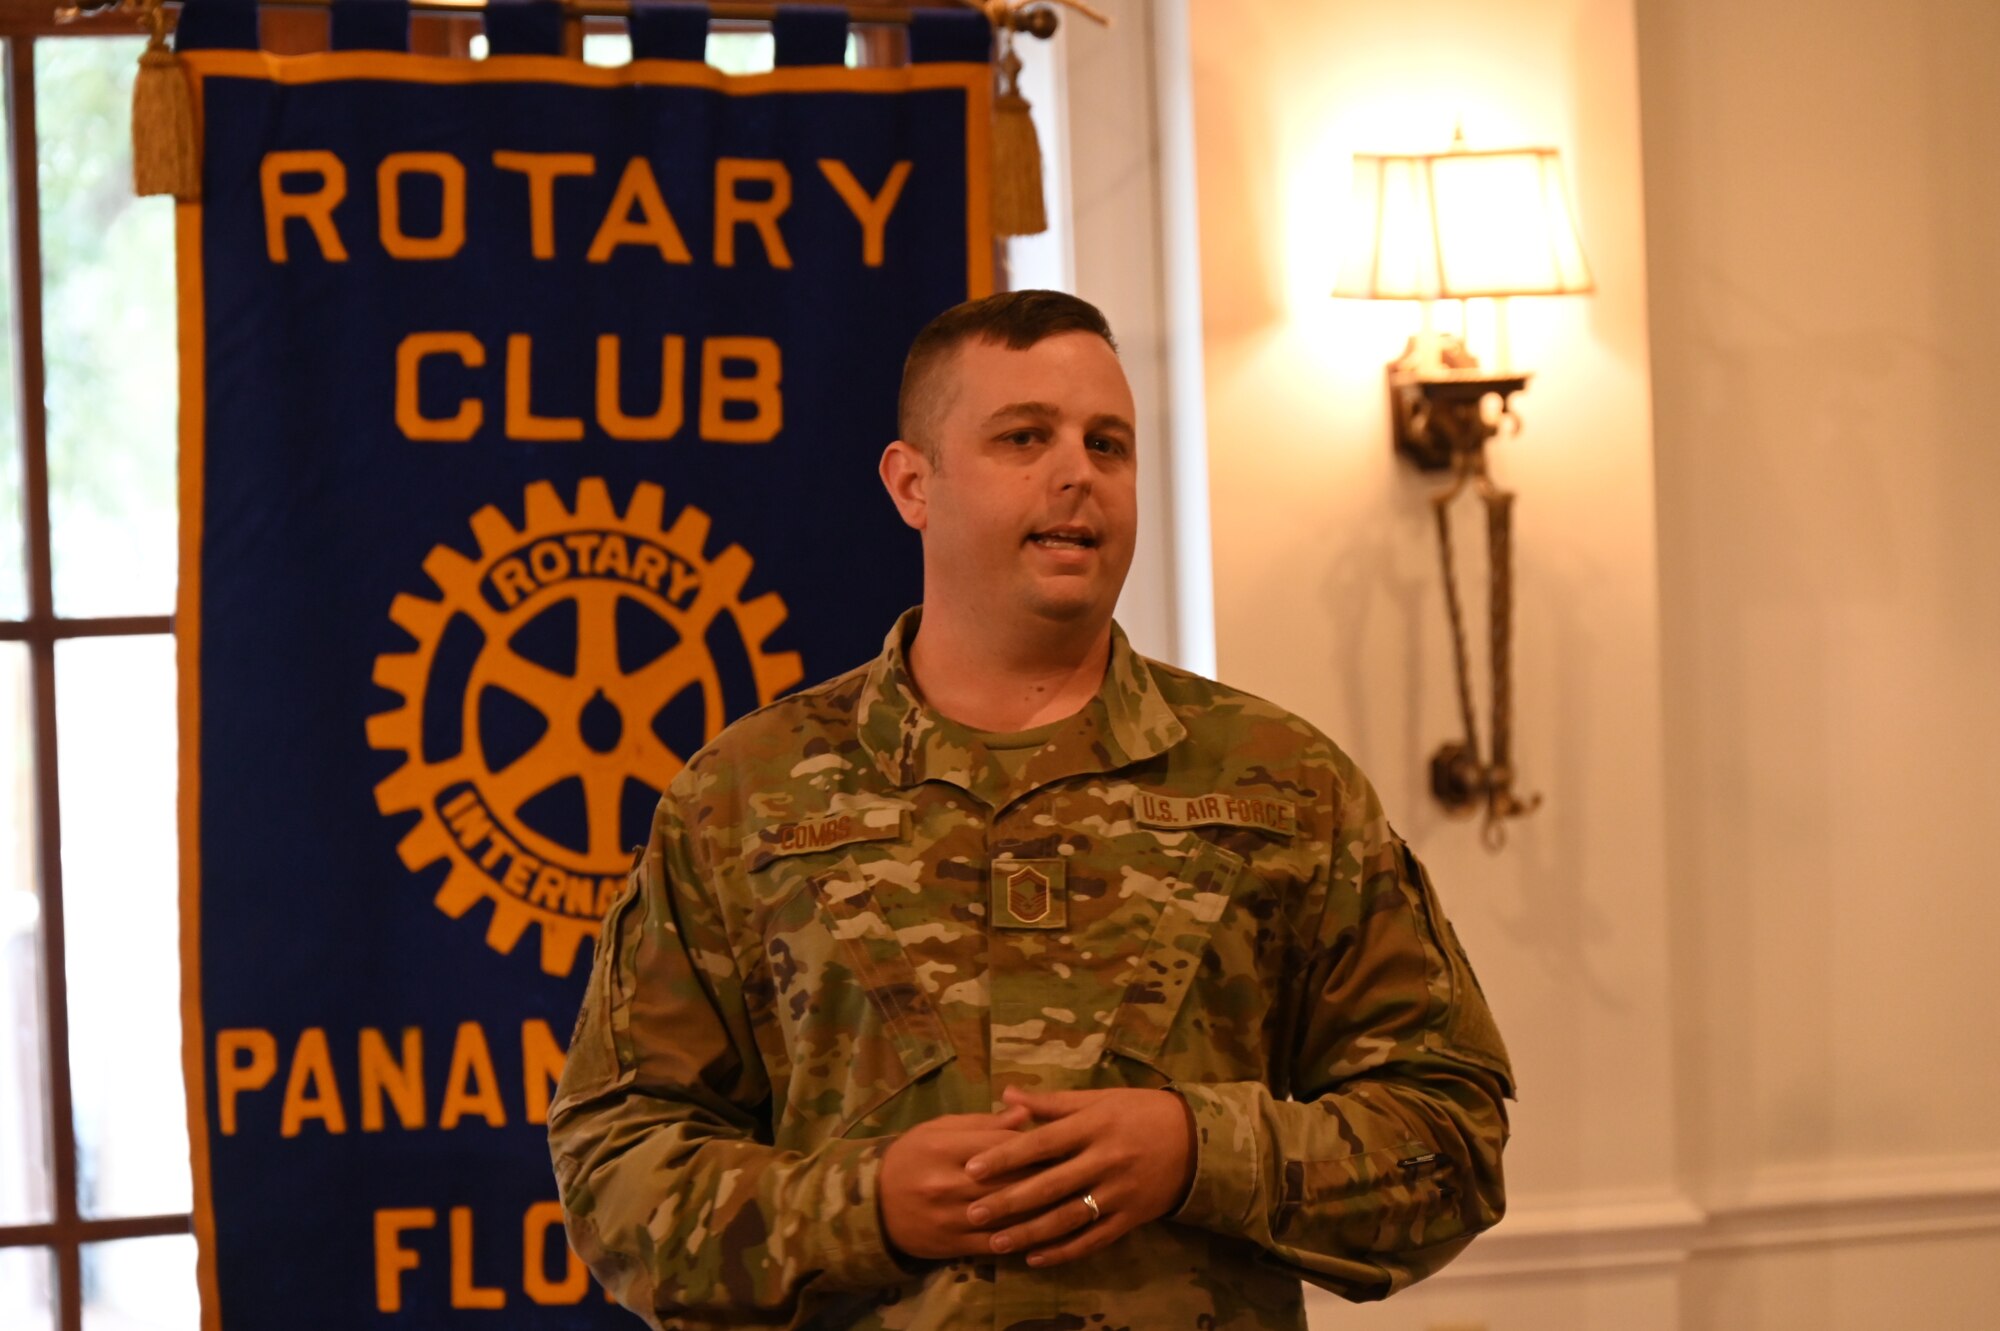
1458 224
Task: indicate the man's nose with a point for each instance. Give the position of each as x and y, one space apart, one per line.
1073 469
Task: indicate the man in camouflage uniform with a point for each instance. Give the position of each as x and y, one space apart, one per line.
1014 981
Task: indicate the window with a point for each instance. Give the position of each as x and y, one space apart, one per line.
94 1184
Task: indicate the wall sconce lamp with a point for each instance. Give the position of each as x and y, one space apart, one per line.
1454 226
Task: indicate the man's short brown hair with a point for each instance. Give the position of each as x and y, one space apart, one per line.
1014 319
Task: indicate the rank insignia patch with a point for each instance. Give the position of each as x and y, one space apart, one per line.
1029 894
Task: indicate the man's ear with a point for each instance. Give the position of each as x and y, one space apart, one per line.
906 475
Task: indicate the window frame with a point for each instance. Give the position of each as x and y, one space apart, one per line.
67 1230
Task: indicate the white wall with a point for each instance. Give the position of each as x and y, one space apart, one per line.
1823 197
1742 953
1328 594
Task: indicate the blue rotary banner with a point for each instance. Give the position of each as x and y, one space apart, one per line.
530 412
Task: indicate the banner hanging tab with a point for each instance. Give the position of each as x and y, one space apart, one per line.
668 30
524 27
809 35
945 36
217 25
369 25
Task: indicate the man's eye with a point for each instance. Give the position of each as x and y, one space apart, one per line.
1107 444
1020 437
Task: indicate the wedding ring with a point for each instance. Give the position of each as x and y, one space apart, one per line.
1095 1214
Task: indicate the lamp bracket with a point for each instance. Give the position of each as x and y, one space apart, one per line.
1437 399
1437 396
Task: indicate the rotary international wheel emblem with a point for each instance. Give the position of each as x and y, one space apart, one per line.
557 685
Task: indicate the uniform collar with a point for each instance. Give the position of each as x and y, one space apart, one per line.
1127 722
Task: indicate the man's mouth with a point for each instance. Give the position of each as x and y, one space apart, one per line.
1065 538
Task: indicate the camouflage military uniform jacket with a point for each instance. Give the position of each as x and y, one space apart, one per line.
850 920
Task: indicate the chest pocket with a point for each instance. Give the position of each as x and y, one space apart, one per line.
859 1027
1186 930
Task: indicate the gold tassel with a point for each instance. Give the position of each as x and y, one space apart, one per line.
166 156
1018 209
1017 156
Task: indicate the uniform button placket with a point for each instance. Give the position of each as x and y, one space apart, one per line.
1021 1294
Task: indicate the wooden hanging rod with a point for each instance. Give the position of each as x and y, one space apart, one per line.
1038 21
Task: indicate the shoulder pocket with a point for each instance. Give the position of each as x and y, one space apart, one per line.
1173 954
1467 1029
600 1048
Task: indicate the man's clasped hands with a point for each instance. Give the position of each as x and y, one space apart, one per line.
973 1185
